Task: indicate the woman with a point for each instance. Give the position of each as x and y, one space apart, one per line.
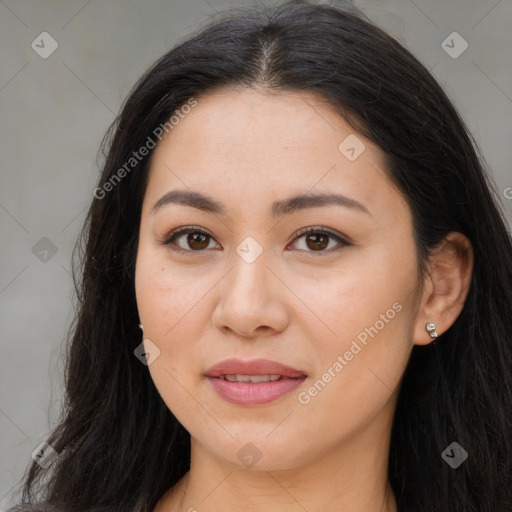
296 217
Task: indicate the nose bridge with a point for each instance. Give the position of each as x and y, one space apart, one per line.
249 299
250 272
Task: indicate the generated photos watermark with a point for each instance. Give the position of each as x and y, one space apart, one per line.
304 397
143 151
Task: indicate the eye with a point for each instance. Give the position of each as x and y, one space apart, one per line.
197 239
318 239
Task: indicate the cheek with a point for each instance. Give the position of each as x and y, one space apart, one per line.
167 297
362 344
173 319
174 316
339 304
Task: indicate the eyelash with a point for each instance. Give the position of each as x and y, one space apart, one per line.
171 237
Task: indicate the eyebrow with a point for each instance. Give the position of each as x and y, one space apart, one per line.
278 209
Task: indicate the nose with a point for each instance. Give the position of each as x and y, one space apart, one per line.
252 300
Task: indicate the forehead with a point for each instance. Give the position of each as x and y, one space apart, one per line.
261 121
243 143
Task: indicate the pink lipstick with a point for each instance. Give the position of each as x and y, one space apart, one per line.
255 382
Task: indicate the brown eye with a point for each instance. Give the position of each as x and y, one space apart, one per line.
197 241
317 241
188 239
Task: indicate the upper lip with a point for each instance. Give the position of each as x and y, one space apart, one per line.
253 367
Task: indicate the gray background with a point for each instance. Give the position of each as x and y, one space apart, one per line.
54 112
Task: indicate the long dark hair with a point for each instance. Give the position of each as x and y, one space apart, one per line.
120 448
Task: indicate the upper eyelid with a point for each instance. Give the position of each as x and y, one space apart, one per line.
340 238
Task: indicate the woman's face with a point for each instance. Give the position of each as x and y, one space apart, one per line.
337 305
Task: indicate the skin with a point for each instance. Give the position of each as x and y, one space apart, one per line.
301 307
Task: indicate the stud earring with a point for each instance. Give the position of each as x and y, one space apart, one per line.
141 327
431 329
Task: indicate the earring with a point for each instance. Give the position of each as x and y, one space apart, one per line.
141 327
431 329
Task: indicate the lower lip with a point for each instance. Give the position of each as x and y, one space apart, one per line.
254 393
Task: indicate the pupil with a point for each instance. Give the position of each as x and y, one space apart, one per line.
322 243
196 240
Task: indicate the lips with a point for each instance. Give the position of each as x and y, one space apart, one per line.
253 367
255 382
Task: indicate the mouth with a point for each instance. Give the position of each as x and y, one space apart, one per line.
255 382
251 378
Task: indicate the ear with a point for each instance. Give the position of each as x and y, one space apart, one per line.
446 286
